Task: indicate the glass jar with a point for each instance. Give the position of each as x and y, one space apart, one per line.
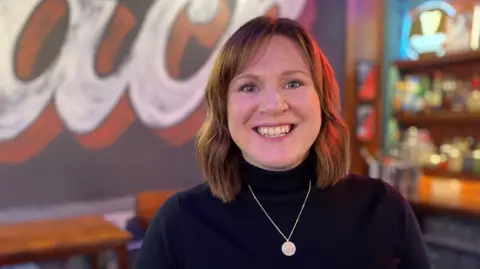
455 161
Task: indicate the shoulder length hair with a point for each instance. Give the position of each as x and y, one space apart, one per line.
219 156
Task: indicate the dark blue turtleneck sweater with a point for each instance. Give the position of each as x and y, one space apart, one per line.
360 223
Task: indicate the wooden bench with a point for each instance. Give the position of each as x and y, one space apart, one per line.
58 239
148 203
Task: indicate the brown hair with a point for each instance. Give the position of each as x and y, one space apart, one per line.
219 156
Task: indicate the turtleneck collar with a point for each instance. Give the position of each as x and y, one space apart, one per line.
266 181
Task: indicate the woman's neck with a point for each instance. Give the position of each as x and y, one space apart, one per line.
278 182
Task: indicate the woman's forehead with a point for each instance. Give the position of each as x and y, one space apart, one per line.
279 55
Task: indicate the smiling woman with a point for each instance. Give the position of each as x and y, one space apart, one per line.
275 155
256 86
273 109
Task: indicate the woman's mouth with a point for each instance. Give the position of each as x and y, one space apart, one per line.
274 131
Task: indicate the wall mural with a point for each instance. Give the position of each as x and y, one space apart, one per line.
100 99
92 68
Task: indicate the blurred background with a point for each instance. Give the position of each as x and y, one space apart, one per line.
100 102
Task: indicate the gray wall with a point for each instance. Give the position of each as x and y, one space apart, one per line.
99 100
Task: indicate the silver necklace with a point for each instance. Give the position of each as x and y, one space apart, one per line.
288 248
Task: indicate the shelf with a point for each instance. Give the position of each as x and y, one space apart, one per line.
463 58
439 207
445 174
452 243
437 118
438 196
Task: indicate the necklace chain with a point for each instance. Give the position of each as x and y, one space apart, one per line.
296 221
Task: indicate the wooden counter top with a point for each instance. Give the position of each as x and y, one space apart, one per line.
448 196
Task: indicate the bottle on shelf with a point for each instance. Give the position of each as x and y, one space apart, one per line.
476 160
434 96
412 94
449 86
465 147
473 98
460 95
455 161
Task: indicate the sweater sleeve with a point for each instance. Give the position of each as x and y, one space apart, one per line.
413 250
158 249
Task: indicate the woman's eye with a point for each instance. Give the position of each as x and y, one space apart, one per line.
247 88
293 84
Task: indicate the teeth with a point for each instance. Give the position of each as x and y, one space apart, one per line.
274 131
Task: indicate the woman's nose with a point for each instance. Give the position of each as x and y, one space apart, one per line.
273 102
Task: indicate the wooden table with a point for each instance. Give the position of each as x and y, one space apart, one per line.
60 239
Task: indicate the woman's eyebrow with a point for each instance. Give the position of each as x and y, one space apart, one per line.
246 76
294 72
283 74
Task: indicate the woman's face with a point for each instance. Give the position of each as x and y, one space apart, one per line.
273 109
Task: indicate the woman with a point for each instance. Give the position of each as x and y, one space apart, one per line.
274 151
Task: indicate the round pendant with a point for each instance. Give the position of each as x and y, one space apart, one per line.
288 248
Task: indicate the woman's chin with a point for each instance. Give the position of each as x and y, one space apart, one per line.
277 164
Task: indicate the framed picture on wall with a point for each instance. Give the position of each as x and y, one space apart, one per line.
366 81
365 130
